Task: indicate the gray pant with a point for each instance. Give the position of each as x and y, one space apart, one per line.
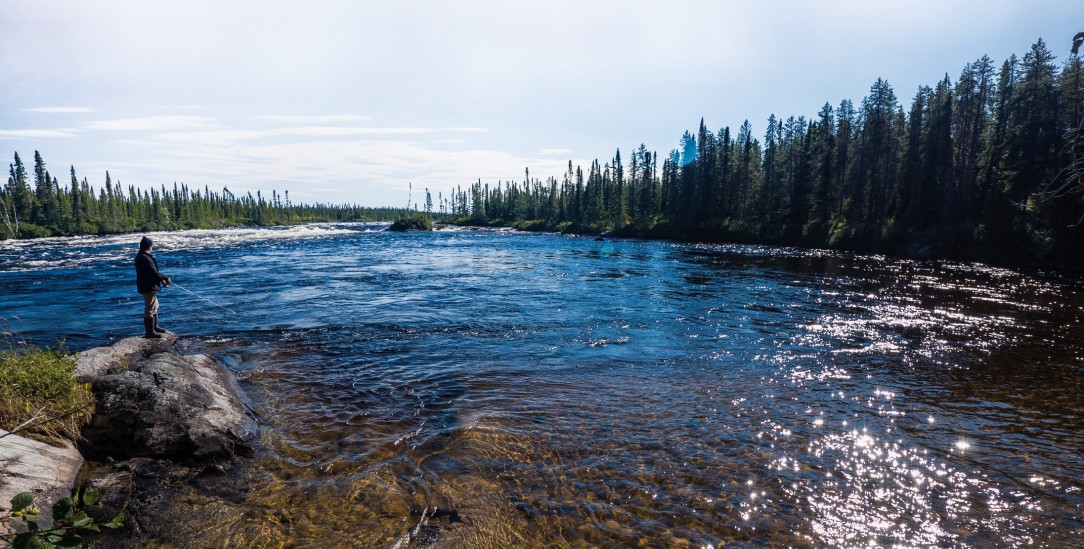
150 304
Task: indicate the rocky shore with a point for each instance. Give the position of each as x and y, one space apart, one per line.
160 414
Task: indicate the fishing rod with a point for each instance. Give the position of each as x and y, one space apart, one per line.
205 299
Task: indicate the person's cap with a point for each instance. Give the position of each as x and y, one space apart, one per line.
145 243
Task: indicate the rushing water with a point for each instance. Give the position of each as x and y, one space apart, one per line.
496 389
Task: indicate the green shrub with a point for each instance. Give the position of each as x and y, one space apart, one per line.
70 521
30 230
839 234
418 222
531 225
39 395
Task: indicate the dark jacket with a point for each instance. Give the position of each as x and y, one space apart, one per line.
147 276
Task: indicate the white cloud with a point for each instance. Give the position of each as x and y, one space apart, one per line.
224 135
553 152
338 131
213 137
464 130
64 110
378 172
371 172
317 119
36 134
154 123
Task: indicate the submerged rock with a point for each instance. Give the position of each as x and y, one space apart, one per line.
164 405
145 490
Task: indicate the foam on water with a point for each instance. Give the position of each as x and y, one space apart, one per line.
84 251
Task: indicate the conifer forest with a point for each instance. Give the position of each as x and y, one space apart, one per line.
50 209
984 168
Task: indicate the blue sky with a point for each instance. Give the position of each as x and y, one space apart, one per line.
349 101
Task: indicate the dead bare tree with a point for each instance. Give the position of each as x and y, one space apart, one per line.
1070 180
28 423
7 219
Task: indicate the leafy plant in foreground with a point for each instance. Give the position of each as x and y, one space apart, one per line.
70 521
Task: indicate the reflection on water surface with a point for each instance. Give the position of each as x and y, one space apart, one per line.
485 389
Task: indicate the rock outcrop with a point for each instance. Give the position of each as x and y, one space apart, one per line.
48 472
153 403
167 411
118 356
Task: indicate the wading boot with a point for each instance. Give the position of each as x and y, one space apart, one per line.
148 324
158 328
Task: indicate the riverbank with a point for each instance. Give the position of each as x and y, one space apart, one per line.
159 414
945 244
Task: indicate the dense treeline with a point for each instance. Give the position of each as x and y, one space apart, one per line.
975 169
50 209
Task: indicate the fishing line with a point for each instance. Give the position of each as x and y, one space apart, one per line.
205 299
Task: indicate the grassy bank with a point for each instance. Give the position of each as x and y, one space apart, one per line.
39 395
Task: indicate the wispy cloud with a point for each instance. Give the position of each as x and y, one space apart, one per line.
554 152
382 168
65 110
339 131
224 135
317 119
373 171
36 134
212 137
154 123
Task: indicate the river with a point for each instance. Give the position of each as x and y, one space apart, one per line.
485 388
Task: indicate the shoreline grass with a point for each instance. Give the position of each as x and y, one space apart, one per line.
40 397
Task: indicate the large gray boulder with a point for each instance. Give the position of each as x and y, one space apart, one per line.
163 405
101 360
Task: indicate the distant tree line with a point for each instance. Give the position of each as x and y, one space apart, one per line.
984 168
50 209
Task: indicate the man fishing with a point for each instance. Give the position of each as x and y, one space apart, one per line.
148 281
